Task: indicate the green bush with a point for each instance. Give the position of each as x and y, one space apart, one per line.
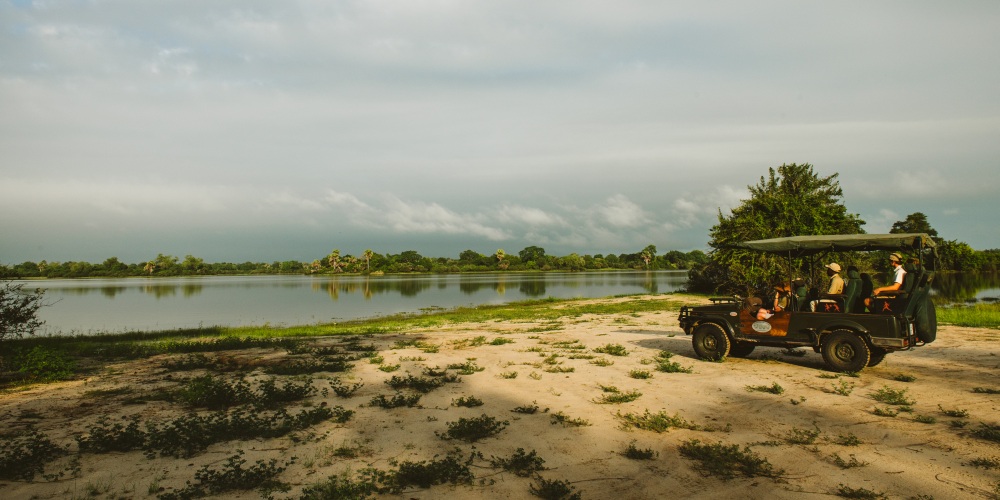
24 454
474 429
520 463
726 461
233 476
44 365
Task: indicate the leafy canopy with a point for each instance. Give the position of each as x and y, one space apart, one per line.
792 200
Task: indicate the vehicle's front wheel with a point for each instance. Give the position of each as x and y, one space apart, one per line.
741 349
710 342
844 351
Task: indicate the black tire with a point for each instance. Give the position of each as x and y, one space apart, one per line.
710 342
876 356
843 351
741 349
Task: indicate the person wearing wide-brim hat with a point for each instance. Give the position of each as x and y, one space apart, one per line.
836 282
896 261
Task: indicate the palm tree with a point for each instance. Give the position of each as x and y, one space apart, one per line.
500 256
368 258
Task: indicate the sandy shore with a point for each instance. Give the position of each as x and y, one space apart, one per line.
918 454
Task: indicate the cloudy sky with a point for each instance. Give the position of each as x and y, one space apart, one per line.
251 130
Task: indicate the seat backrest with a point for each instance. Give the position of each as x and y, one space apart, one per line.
910 278
921 291
851 291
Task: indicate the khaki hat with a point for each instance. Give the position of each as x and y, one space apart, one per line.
833 266
895 257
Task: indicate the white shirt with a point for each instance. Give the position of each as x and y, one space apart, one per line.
898 278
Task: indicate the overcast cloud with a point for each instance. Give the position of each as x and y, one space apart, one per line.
250 130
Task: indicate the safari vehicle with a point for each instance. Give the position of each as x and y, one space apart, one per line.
849 335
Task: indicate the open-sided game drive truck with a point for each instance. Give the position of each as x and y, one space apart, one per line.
849 334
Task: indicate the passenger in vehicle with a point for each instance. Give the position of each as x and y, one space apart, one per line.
896 261
782 297
763 314
836 282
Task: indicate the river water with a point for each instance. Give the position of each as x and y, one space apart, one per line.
142 304
149 304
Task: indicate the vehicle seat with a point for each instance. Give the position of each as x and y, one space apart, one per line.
852 290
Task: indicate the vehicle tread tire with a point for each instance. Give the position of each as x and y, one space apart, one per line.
844 351
876 356
710 342
741 349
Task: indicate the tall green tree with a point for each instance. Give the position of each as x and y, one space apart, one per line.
914 223
792 200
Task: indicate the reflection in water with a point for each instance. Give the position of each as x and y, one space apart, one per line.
114 305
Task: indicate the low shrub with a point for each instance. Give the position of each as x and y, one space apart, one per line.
635 453
612 350
397 401
554 490
656 422
520 463
233 476
726 461
892 396
44 365
24 454
467 402
774 388
474 429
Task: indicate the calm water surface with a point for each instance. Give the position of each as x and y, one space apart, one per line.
136 304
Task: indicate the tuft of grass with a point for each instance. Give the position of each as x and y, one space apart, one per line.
567 421
602 362
233 476
656 422
344 391
925 419
467 402
802 436
771 389
985 390
984 463
474 429
843 387
612 350
726 461
989 432
421 384
845 491
890 396
954 412
847 440
618 397
640 374
501 341
520 463
635 453
468 368
554 490
839 461
25 454
508 375
105 436
885 412
904 377
424 474
527 410
397 401
664 364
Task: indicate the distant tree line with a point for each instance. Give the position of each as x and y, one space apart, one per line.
532 258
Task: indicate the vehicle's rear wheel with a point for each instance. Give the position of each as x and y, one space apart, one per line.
876 356
710 342
741 349
844 351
